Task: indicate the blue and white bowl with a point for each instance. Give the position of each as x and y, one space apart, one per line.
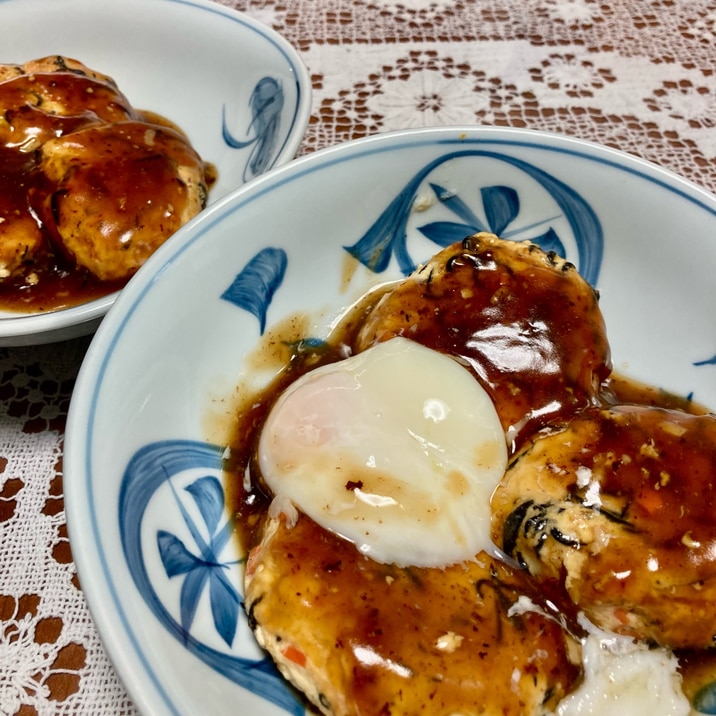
153 406
237 88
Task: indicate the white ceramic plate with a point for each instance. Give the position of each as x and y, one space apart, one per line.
196 63
145 435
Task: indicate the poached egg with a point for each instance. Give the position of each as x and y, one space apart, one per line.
397 449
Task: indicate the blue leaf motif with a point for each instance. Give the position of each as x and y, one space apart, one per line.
191 590
150 469
174 555
254 287
266 103
387 236
707 361
444 233
209 497
501 204
549 241
225 602
458 207
266 106
209 549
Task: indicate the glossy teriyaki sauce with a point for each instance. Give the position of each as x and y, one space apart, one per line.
303 356
37 273
250 499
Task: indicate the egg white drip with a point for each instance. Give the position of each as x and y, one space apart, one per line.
397 449
623 676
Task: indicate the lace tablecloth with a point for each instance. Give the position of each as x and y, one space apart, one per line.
635 75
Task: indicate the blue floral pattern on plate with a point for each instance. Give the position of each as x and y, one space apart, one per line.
254 287
195 560
266 105
388 235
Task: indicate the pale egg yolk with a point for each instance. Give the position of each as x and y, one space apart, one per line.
398 449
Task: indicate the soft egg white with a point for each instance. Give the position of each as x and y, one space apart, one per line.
624 676
397 449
